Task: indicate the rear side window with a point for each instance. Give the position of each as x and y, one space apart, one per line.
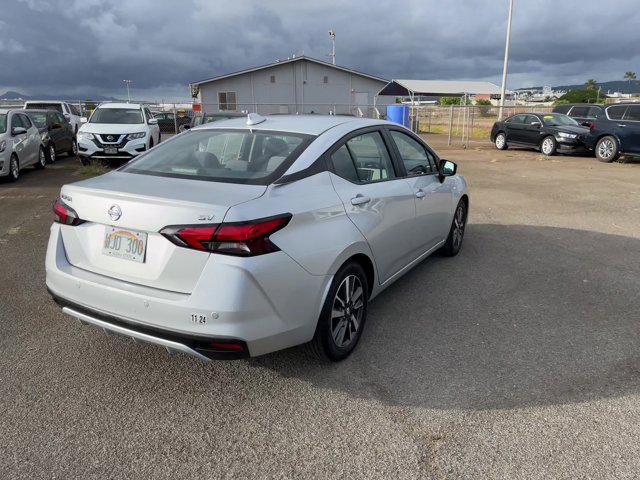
59 118
516 119
529 119
580 112
371 158
595 112
74 110
44 106
235 156
616 112
39 118
343 164
416 159
562 109
633 113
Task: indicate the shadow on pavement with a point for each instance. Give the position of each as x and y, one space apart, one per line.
523 316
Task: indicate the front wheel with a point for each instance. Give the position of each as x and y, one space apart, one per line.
73 152
343 315
549 146
14 169
607 149
52 153
42 159
456 233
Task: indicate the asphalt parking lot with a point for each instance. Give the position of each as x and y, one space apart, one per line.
520 358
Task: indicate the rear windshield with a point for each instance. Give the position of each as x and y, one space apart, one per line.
236 156
44 106
3 122
39 119
117 115
558 120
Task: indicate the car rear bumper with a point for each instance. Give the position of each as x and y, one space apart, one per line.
267 303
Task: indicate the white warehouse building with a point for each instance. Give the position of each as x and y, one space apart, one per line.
295 85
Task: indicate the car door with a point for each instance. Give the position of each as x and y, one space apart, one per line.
531 130
379 202
55 130
432 197
629 130
514 127
34 138
20 140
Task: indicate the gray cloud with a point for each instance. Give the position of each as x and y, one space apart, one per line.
88 47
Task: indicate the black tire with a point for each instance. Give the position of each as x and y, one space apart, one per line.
51 153
150 143
607 149
14 169
325 345
456 233
159 137
42 159
549 146
73 152
502 143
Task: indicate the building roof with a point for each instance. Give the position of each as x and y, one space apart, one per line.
306 124
441 88
286 61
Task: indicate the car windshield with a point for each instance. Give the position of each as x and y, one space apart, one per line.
236 156
3 122
39 118
117 115
559 120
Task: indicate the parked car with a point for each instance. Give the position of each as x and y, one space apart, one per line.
70 112
20 144
615 129
242 237
168 124
583 113
117 131
55 131
548 132
201 118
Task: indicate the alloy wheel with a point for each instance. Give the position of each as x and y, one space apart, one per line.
74 149
458 226
347 311
547 146
52 153
14 168
606 148
500 140
42 159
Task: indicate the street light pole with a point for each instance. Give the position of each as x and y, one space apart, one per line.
127 83
506 61
332 34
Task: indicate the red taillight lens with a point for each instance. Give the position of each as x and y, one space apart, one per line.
592 125
63 213
241 238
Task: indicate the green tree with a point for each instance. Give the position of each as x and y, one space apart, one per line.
581 95
449 101
630 76
484 107
591 84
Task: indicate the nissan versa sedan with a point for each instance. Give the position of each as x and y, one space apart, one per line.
548 132
246 236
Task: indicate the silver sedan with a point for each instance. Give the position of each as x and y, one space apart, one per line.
250 235
20 144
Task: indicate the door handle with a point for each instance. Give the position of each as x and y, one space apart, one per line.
622 125
420 194
360 200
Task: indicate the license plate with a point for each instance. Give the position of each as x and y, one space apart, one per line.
110 150
125 244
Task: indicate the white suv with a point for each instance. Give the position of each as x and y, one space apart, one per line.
117 131
69 111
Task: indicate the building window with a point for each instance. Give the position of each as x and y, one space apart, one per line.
227 101
272 79
325 79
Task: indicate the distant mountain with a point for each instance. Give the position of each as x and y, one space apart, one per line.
622 86
11 95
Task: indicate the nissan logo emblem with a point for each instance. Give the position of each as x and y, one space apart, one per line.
114 212
110 138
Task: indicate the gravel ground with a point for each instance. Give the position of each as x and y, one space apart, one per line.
517 359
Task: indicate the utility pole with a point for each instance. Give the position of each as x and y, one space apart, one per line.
506 61
127 83
332 34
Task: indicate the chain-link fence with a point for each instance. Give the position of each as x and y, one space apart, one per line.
460 123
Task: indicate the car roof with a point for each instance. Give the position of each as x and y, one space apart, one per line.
120 105
306 124
46 102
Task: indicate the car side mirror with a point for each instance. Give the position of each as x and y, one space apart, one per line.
447 168
152 121
536 124
67 116
18 130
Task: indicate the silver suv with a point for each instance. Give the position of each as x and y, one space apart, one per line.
20 144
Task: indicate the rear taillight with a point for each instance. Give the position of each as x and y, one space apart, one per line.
592 125
63 213
245 239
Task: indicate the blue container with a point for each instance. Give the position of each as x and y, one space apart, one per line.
398 114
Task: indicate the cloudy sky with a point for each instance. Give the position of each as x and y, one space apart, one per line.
86 47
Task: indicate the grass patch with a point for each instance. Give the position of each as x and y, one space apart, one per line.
94 169
477 132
